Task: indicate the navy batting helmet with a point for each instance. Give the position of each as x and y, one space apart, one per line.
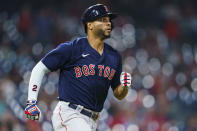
94 12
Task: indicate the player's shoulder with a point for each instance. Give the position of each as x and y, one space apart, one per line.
72 43
79 40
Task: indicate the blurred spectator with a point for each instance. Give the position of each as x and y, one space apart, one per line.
25 19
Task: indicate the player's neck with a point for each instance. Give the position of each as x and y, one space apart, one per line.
96 43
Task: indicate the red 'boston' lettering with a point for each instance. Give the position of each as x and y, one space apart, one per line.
91 71
101 67
78 71
85 70
111 74
107 71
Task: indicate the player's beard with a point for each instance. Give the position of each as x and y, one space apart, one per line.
102 34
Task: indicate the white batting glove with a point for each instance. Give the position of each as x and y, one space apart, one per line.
125 79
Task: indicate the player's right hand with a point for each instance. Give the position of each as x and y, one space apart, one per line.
32 111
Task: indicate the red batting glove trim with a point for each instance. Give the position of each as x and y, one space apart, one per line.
125 79
27 113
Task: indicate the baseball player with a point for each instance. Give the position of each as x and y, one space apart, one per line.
88 68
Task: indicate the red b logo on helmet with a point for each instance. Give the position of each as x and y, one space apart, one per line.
106 9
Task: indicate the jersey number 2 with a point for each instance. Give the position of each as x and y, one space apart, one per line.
34 88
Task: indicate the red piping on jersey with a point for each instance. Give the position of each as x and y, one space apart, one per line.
61 118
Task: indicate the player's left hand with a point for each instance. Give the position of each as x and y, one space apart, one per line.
126 79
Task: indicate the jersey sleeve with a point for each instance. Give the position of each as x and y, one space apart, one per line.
116 79
56 58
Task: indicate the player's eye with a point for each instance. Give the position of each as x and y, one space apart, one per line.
103 19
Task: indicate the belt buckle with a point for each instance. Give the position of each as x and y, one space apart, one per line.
79 108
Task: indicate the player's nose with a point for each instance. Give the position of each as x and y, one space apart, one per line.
109 23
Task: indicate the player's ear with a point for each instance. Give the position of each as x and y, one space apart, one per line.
89 26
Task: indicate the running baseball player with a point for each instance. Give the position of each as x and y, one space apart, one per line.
88 68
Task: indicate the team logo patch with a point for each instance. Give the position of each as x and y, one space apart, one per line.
106 9
84 55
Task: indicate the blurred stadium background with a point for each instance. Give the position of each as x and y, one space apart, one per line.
156 38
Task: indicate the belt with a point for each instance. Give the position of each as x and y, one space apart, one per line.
83 111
